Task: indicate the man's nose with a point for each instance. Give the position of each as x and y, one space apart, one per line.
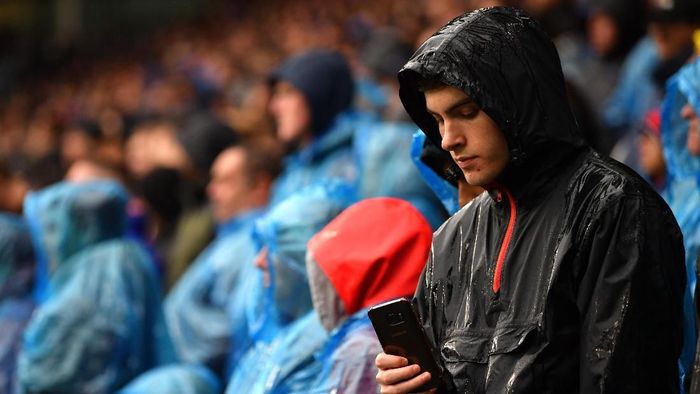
452 137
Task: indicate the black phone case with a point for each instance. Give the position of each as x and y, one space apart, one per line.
400 333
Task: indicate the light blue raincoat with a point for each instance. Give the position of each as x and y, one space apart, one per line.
16 301
287 333
682 191
197 308
99 321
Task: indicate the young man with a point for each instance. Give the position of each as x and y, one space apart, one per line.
567 274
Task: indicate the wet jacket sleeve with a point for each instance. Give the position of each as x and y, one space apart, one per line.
631 282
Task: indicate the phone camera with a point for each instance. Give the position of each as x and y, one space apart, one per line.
395 318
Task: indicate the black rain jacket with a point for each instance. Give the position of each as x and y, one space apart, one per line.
567 276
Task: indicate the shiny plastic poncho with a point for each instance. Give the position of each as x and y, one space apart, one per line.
175 379
372 252
16 301
682 190
384 154
287 332
99 323
197 308
567 276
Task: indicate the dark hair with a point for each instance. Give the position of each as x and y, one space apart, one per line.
263 157
426 84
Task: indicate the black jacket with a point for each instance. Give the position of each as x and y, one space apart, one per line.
567 276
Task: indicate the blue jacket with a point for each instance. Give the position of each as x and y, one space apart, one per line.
285 330
99 322
16 301
384 152
682 191
197 308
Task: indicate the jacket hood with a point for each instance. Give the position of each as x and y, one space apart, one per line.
16 257
325 80
372 252
683 88
285 230
67 217
504 61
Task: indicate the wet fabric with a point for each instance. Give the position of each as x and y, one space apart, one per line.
372 252
16 301
197 308
568 275
175 379
384 155
682 190
99 323
286 331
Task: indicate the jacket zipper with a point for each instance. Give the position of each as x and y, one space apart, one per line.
506 240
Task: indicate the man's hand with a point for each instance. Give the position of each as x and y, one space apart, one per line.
396 376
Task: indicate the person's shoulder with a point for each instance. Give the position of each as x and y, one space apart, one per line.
613 182
455 222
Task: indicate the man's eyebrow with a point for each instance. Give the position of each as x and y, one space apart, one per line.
464 101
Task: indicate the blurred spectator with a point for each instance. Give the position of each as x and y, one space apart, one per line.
650 151
196 307
289 333
349 271
16 299
679 137
99 321
311 106
14 189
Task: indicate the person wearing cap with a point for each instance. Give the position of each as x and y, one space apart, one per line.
311 104
326 137
374 251
567 275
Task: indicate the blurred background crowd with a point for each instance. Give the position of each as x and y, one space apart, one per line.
169 126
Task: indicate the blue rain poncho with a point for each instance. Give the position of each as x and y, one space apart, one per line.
682 191
175 379
197 308
287 333
384 151
99 323
16 301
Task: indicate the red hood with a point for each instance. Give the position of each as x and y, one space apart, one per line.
372 252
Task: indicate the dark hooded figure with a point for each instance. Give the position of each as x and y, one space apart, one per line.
566 275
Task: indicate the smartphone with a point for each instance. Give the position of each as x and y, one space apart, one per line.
400 333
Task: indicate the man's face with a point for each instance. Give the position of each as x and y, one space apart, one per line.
229 186
291 112
473 139
693 141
